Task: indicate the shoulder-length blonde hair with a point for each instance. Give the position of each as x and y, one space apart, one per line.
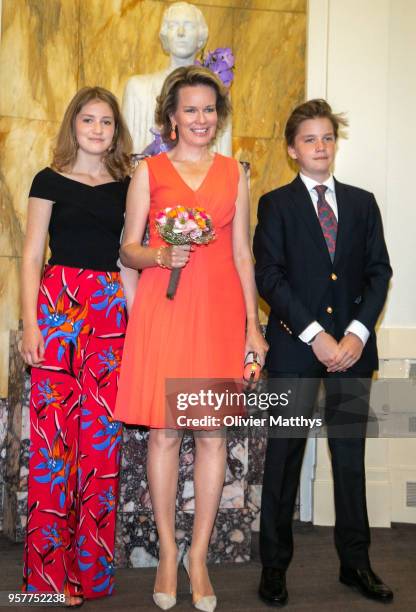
167 102
117 158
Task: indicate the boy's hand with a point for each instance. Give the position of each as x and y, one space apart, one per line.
326 349
349 352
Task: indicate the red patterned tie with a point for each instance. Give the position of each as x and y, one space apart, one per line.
327 219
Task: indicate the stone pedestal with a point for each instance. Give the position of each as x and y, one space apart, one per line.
4 411
239 506
16 446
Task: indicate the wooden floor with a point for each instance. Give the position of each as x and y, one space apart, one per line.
312 578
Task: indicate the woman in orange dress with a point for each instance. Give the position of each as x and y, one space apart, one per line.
212 322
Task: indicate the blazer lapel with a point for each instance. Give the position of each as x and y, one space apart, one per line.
345 219
306 211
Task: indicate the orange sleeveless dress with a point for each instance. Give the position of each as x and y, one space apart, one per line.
201 332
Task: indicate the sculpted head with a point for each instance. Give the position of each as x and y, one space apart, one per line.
184 30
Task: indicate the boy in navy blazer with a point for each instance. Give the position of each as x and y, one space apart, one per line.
323 268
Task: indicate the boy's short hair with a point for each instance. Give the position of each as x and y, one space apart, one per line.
311 109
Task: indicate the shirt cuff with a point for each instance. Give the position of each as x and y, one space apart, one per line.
310 332
360 330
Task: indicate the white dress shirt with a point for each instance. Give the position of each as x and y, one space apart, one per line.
355 327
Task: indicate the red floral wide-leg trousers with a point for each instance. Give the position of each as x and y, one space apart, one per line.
74 441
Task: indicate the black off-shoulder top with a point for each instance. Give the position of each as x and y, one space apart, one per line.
86 221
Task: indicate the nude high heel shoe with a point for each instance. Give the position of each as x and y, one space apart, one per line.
165 601
206 603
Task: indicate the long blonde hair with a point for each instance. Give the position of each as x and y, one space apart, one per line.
117 158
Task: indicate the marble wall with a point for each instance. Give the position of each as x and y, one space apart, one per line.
50 48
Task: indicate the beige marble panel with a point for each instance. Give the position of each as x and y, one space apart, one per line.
9 293
38 57
4 363
270 70
272 5
25 149
269 167
119 39
204 4
220 26
276 5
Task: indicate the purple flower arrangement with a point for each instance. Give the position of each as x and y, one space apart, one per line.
221 62
156 146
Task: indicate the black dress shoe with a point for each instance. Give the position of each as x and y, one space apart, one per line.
367 582
272 589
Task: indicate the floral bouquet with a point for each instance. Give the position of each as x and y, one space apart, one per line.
179 226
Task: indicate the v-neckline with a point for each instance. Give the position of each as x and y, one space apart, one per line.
183 180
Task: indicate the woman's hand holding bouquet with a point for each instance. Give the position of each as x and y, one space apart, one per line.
181 227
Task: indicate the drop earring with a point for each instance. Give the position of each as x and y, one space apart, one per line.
173 133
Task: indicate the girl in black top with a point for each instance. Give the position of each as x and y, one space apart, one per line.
74 317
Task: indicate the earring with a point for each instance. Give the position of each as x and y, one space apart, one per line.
173 133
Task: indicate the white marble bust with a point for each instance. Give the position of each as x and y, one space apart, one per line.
183 33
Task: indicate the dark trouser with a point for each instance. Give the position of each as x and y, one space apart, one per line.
346 427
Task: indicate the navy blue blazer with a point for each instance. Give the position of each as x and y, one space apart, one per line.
300 283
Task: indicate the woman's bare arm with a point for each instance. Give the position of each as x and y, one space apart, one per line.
38 217
244 263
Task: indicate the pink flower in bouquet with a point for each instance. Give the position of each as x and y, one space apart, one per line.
184 227
184 223
195 234
161 218
181 219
